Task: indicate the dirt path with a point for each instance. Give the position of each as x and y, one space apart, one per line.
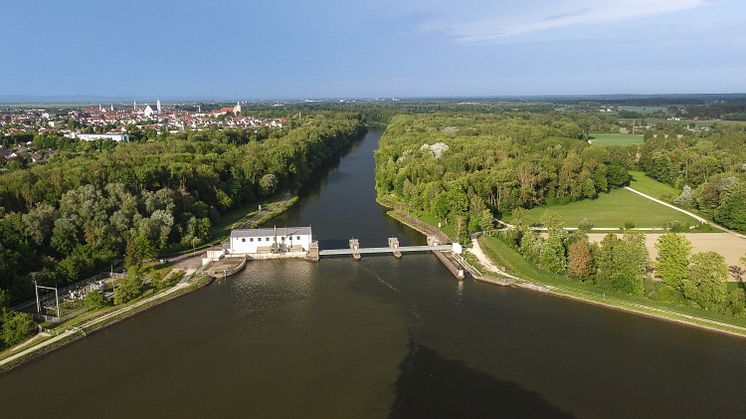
485 261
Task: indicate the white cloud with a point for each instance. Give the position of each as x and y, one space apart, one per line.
485 21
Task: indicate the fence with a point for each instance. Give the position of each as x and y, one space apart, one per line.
72 287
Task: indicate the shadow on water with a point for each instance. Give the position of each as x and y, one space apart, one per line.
431 386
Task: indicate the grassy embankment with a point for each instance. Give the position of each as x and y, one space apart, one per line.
515 264
512 262
96 319
430 221
616 139
613 210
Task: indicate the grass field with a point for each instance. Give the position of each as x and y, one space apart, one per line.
650 186
613 210
616 139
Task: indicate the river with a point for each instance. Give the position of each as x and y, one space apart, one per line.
378 338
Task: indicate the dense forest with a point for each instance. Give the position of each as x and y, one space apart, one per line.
468 168
709 167
94 203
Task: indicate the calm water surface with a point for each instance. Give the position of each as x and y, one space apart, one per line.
379 338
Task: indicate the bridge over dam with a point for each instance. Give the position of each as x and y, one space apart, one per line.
384 250
296 242
444 252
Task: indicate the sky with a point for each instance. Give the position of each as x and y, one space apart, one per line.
284 49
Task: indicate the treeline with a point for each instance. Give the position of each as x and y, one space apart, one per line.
709 168
68 218
623 264
721 110
468 168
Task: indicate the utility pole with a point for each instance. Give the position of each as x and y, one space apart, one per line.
56 297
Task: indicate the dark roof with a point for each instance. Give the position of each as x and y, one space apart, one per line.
269 232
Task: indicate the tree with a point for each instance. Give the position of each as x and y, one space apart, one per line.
4 299
551 220
139 249
128 288
486 221
39 223
552 256
686 199
585 225
732 210
95 299
63 238
706 279
17 326
531 244
268 184
673 258
580 260
623 263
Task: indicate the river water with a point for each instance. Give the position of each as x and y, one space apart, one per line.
378 338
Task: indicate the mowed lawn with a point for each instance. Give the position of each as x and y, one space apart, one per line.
652 187
613 210
616 139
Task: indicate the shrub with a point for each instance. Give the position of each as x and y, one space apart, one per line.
95 299
128 288
17 327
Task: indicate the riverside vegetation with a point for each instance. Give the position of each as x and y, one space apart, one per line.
98 203
466 170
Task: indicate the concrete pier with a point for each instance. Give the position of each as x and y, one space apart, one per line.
226 267
450 262
394 245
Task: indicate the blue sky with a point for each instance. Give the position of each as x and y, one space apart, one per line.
383 48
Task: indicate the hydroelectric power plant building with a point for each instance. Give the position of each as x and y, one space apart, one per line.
270 240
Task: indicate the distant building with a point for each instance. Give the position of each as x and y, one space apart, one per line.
270 240
235 110
150 111
118 137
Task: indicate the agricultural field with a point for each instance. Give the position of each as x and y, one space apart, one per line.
647 185
613 210
616 139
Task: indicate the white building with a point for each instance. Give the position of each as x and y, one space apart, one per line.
150 111
270 240
93 137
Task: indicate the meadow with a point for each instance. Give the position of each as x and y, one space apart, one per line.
616 139
647 185
613 210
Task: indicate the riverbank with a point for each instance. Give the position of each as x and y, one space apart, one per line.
91 322
522 275
529 277
79 328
